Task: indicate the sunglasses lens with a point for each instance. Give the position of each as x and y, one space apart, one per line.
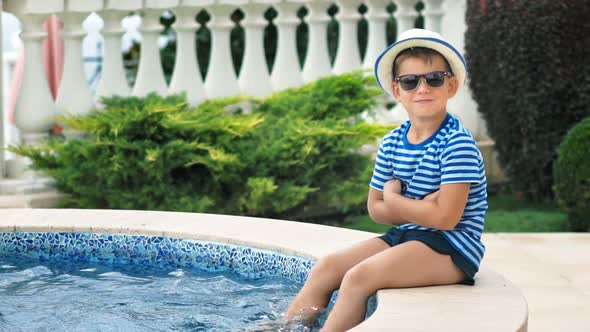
409 82
435 80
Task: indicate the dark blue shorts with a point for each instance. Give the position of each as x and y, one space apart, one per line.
436 242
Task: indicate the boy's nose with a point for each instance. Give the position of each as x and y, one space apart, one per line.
422 85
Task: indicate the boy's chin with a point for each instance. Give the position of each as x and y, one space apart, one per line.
426 113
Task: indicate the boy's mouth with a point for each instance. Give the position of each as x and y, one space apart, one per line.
423 101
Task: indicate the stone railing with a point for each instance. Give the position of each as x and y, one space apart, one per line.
36 109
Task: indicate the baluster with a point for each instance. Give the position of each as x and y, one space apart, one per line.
2 113
150 75
34 113
221 80
74 95
286 72
317 60
113 81
112 78
433 13
377 40
186 76
35 109
254 77
348 55
405 14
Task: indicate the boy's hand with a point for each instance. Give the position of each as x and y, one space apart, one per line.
393 186
433 196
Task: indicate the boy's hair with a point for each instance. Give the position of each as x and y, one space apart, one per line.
423 53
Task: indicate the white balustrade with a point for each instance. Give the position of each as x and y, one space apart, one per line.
317 59
36 110
286 71
254 77
186 77
113 81
348 56
405 14
74 96
377 17
221 80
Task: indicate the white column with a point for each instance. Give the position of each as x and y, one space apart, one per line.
186 76
286 71
74 96
317 60
462 105
150 75
348 56
35 110
254 77
433 13
112 81
221 80
405 15
2 167
377 17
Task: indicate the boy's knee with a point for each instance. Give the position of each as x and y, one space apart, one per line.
356 279
322 277
326 265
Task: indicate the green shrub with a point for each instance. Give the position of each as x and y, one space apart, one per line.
296 150
571 172
528 64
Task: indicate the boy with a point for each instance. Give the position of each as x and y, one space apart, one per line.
428 178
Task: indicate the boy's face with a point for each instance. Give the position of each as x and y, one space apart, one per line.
425 102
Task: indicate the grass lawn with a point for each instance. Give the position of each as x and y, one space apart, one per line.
505 214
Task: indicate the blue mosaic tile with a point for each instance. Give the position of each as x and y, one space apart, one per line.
154 250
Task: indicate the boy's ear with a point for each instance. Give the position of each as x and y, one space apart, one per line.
453 86
395 90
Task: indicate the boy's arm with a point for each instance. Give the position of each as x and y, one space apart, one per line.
442 212
378 210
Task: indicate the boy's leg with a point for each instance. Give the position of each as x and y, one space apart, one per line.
411 264
326 276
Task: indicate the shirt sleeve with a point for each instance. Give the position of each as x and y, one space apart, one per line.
461 161
383 170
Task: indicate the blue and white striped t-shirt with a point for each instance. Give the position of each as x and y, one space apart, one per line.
449 156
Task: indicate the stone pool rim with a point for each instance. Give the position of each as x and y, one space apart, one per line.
494 304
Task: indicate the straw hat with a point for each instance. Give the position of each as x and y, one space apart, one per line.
418 38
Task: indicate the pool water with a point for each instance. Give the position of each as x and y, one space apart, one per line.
103 282
58 295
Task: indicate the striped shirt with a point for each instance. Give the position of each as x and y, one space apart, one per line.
450 155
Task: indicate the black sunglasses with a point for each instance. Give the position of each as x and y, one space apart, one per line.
434 79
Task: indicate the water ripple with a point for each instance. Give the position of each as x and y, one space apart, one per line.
67 296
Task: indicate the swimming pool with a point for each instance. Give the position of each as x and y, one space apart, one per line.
493 305
115 282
